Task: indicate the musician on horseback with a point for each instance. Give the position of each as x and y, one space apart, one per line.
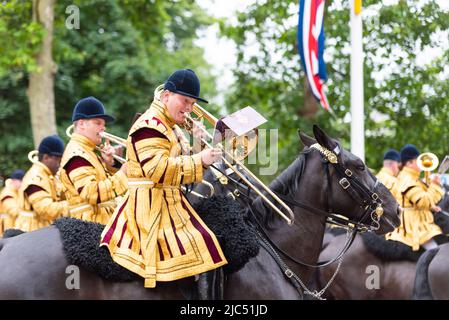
155 232
39 200
418 201
91 183
388 174
9 200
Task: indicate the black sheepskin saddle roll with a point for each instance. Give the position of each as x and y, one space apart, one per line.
9 233
389 250
221 214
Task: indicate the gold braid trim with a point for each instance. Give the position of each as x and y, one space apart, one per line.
331 157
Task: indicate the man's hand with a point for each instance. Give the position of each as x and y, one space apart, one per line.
107 153
209 156
435 209
198 132
436 179
124 168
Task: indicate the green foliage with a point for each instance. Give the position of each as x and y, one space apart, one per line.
20 37
122 51
405 102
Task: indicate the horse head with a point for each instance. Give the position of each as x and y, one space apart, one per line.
345 185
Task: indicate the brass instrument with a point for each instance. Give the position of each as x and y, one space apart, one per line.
122 142
201 113
427 162
32 156
104 135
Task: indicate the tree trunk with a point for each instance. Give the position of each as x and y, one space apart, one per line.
310 107
40 88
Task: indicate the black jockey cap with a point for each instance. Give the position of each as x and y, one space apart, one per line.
52 145
184 82
89 108
409 152
18 174
392 154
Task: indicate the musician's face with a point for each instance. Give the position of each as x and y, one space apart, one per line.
91 129
178 105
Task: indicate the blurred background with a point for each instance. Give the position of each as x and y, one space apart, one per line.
245 53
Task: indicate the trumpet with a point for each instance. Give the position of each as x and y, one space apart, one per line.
427 162
107 136
202 113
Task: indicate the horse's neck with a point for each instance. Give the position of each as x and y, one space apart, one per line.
302 241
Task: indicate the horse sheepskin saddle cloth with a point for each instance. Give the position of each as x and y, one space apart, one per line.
221 214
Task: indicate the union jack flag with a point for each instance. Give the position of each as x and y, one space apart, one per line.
311 46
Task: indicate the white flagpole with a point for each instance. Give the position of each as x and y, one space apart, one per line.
357 113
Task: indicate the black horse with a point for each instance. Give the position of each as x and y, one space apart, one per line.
395 264
432 275
324 178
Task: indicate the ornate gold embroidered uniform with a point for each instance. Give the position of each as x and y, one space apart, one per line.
89 186
389 180
9 206
155 232
416 198
38 199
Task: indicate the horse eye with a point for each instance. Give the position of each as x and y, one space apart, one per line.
361 168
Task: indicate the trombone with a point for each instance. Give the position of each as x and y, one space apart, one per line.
201 113
107 136
122 142
33 156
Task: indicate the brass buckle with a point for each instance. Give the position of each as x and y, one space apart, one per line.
289 273
348 172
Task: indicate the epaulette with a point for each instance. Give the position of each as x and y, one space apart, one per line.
74 150
406 183
149 120
35 176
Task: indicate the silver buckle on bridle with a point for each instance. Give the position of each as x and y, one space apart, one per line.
344 183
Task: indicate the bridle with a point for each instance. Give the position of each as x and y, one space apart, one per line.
367 200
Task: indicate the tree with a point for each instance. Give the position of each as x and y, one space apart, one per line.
120 53
400 93
40 88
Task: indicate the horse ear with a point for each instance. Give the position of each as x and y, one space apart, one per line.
324 140
305 139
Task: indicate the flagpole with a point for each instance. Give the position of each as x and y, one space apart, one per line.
356 90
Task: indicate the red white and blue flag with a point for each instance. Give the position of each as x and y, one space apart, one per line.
311 46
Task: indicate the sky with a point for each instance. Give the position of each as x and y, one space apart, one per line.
221 53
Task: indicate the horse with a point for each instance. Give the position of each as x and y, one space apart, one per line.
324 178
356 277
431 281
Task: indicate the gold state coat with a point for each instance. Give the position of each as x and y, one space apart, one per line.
416 198
155 232
90 186
39 201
